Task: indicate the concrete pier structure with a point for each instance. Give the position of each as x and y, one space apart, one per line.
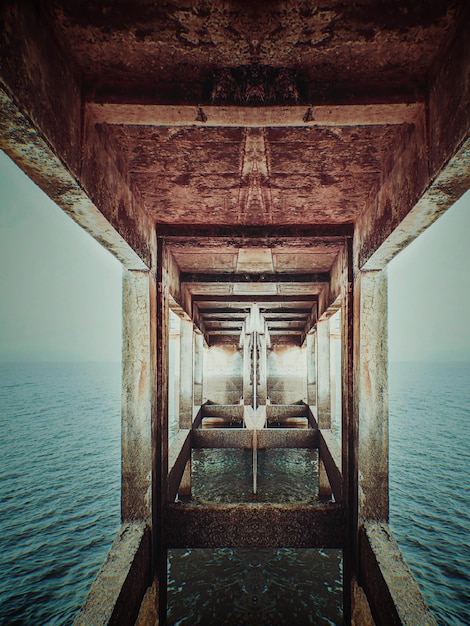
275 156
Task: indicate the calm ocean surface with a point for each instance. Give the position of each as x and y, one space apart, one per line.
59 491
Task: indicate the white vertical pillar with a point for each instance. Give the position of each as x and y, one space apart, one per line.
312 369
186 374
198 368
323 374
138 387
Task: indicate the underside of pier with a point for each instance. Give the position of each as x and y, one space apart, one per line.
254 166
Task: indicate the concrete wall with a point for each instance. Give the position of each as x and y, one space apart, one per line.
287 374
223 374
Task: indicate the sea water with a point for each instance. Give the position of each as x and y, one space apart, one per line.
59 502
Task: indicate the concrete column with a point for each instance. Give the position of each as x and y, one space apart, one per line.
138 388
312 369
160 428
262 369
186 374
323 374
247 379
198 368
371 393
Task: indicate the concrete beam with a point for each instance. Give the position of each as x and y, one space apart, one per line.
254 117
392 592
264 277
26 145
254 526
243 438
255 235
120 585
427 171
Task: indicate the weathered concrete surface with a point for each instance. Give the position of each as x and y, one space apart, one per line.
254 526
323 376
22 141
330 457
120 585
243 438
392 592
371 393
361 615
138 388
186 374
178 457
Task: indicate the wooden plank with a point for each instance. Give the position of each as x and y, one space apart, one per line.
330 453
178 456
393 594
253 117
254 525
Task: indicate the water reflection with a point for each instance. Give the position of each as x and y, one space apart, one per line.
284 475
254 587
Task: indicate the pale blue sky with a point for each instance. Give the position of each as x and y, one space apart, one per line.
61 291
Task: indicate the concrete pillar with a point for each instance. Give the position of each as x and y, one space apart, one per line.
138 388
312 369
262 369
160 428
323 374
186 374
371 393
198 368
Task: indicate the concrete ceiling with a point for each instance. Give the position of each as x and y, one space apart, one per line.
247 114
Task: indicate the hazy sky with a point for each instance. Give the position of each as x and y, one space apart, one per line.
61 291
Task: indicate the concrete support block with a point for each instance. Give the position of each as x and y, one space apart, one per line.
186 374
138 387
250 525
371 393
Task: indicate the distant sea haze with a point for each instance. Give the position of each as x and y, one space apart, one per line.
60 489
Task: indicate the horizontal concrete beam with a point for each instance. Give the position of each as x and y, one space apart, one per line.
243 438
237 300
253 117
245 277
255 526
279 411
222 410
178 455
120 585
392 592
330 453
254 235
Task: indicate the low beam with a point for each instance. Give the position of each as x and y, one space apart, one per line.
255 526
243 438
